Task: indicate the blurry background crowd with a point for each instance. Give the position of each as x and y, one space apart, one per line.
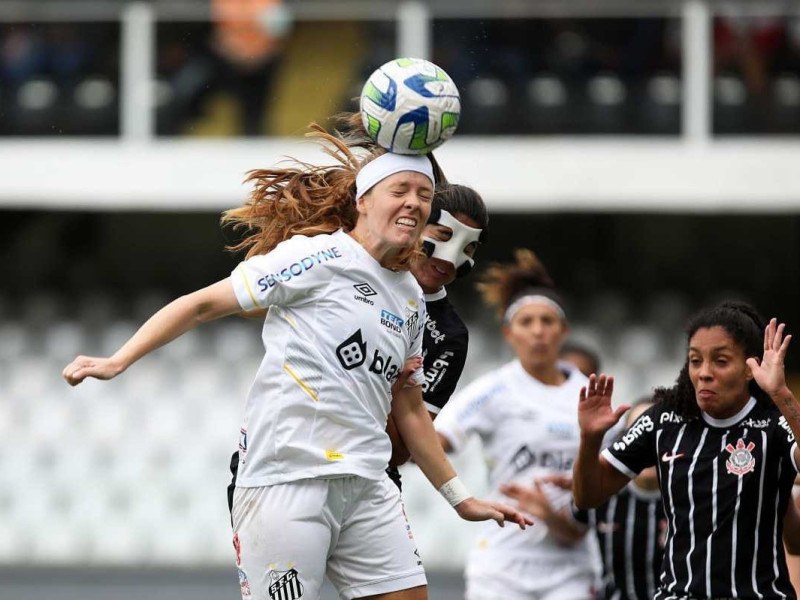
100 474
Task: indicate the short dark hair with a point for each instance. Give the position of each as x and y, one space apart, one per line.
456 198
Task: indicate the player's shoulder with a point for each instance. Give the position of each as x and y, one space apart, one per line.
330 250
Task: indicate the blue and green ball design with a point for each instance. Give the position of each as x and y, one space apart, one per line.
410 106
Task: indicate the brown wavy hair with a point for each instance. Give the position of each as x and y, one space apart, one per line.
502 283
306 199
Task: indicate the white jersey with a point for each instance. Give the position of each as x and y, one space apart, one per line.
528 429
338 331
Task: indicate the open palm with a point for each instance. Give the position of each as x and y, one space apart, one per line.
769 372
595 414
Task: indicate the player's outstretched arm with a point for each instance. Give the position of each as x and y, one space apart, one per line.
593 479
416 429
176 318
770 376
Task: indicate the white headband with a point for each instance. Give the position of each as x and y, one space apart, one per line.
389 164
513 309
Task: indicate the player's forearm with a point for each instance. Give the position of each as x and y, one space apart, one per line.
564 529
175 319
790 409
416 429
786 402
587 473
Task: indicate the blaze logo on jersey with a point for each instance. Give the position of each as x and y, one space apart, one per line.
557 460
352 352
741 460
285 585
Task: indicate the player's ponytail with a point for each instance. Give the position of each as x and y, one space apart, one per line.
502 284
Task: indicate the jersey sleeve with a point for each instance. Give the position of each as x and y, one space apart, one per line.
635 449
786 438
443 369
470 411
292 272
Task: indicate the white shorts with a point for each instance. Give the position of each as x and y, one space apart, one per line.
522 579
289 536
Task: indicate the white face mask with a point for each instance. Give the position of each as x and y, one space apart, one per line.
452 250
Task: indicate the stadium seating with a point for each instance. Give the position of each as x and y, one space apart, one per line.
134 470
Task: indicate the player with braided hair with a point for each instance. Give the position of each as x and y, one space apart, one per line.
525 416
723 441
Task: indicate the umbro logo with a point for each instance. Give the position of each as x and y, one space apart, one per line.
365 289
364 292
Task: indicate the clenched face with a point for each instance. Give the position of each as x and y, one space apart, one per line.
718 372
393 213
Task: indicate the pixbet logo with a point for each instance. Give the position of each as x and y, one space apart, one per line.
352 353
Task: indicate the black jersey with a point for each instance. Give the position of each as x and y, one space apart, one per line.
630 530
444 351
725 485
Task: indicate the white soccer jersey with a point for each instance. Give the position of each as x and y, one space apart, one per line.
528 430
338 331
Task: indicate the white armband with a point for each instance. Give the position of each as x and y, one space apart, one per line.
454 491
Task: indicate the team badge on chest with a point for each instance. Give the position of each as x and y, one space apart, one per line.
741 460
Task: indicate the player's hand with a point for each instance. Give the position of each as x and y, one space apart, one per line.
531 499
769 373
89 366
474 509
560 480
411 365
595 415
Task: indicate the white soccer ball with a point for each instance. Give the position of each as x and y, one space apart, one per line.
410 106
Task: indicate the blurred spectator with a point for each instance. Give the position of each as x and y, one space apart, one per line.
240 60
748 45
62 51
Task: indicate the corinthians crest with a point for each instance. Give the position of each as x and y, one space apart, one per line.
284 585
741 460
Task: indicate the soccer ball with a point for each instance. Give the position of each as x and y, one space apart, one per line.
410 106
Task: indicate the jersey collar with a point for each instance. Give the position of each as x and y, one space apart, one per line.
437 295
730 420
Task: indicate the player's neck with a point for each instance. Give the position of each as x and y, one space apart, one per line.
548 374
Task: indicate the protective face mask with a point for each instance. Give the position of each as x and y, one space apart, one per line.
452 250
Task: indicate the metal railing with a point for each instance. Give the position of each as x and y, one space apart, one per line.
413 20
